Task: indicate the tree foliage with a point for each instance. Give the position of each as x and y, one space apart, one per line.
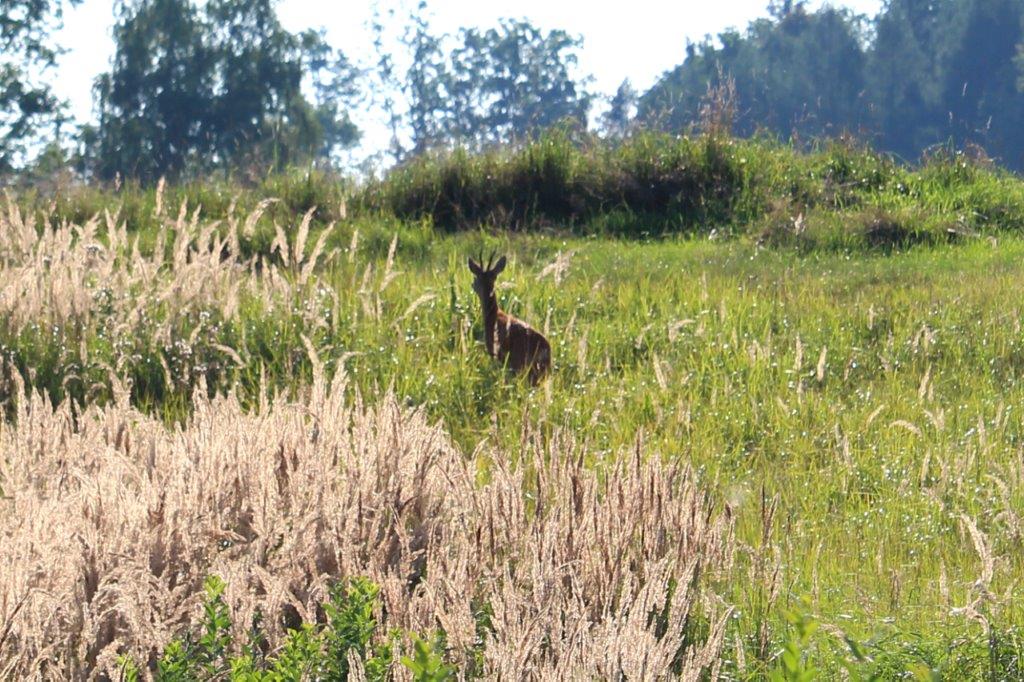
428 85
923 72
616 121
483 86
219 87
26 103
514 81
201 85
794 70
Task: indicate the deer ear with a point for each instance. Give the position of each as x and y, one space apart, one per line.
475 267
499 266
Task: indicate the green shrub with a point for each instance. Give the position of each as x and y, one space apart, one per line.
654 183
648 184
312 651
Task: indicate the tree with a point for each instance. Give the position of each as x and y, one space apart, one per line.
513 81
924 72
387 87
497 85
814 70
336 87
427 83
26 104
903 82
794 71
192 90
619 117
980 91
260 113
155 103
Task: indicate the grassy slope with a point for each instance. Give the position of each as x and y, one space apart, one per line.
875 395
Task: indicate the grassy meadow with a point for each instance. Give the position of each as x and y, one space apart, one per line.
837 367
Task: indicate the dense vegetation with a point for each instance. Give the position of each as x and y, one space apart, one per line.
248 429
308 475
922 72
840 195
844 390
222 86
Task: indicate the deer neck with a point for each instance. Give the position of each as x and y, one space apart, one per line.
490 307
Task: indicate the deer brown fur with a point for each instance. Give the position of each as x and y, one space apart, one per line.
508 339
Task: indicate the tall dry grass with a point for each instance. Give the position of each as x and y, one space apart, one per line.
81 303
889 418
109 522
66 274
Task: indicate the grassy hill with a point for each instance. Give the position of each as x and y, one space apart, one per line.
829 342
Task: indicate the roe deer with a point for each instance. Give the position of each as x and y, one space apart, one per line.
508 339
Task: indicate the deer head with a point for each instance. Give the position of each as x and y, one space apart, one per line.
484 277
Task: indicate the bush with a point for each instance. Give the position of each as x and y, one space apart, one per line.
349 635
646 185
655 183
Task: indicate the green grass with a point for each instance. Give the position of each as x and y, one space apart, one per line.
877 396
142 209
826 349
844 194
838 195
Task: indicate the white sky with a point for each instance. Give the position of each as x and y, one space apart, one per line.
639 39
